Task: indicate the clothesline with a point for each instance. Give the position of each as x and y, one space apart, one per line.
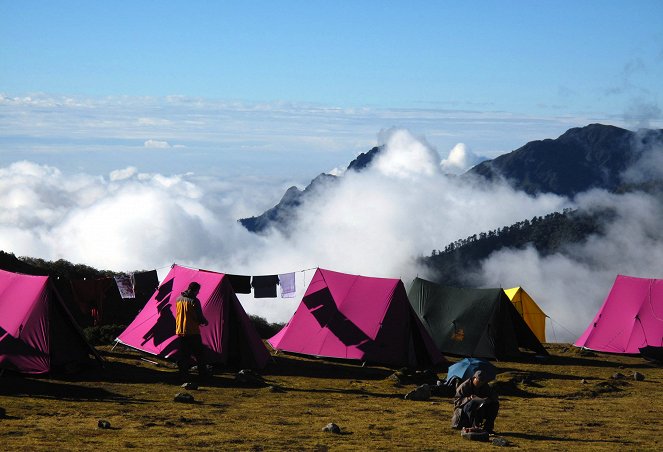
262 286
197 268
552 325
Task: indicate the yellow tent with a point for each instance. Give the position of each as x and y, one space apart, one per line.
534 317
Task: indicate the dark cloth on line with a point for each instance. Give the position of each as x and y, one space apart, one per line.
265 286
145 284
240 283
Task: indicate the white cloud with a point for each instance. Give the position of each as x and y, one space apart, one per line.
156 144
154 122
405 156
650 164
374 223
460 159
122 174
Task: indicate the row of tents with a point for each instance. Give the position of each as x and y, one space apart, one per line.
340 316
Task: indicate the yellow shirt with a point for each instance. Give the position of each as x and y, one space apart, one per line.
187 319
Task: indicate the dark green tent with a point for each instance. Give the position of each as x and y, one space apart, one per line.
481 323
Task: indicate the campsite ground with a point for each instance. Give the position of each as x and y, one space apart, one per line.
544 406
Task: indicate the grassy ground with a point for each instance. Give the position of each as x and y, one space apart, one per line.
544 406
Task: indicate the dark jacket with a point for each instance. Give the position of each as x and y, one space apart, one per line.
465 393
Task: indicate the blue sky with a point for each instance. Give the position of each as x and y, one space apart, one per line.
490 74
517 55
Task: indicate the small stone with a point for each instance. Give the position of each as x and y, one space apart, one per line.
332 428
249 378
190 385
276 389
474 434
583 381
617 376
183 397
637 376
103 424
500 442
421 393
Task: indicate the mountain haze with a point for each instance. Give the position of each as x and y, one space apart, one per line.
594 156
281 214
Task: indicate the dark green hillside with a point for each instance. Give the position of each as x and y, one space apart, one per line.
61 267
457 263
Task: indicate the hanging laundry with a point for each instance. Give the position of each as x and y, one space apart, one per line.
287 283
125 285
145 284
240 283
265 286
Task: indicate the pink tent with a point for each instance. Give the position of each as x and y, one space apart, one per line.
630 318
230 338
37 332
360 318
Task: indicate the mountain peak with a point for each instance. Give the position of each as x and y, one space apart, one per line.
364 159
594 156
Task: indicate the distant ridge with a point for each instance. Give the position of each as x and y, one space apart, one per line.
594 156
582 158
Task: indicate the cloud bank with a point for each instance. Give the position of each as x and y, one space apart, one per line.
375 223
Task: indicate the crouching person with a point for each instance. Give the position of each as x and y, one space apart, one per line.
475 404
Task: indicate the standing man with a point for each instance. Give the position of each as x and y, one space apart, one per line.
188 319
475 403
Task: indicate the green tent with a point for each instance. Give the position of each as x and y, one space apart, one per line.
481 323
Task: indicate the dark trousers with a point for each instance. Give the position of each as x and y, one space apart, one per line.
191 345
479 411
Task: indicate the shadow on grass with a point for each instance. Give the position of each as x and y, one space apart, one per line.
17 386
358 392
128 373
600 360
537 437
535 374
124 373
285 365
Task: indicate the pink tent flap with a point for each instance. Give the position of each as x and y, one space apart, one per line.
631 317
153 329
24 326
357 317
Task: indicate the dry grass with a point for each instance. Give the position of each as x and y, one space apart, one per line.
544 406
